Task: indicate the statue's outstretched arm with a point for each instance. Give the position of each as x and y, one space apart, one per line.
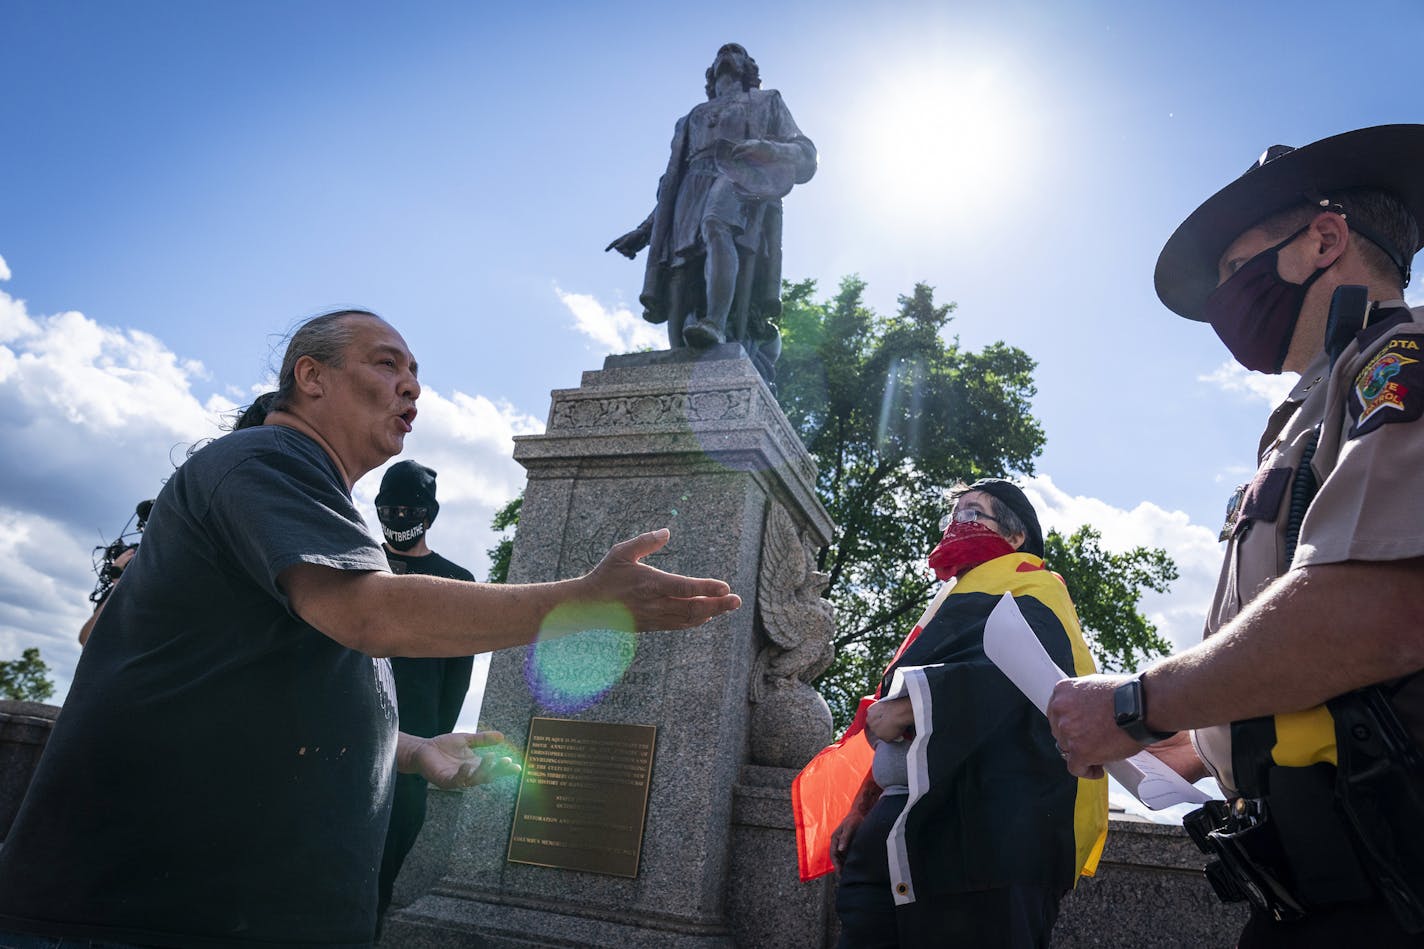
635 240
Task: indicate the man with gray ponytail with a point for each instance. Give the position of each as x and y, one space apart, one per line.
324 339
221 775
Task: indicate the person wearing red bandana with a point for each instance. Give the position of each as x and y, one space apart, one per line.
968 831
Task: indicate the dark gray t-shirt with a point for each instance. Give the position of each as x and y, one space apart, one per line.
220 774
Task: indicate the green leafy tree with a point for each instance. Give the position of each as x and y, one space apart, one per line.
1107 589
894 413
505 519
25 679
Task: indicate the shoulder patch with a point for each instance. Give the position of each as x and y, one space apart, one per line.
1390 388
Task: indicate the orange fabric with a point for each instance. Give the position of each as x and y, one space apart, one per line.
821 795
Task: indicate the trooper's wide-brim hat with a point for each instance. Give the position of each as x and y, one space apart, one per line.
1387 157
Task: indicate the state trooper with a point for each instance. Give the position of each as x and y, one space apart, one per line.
1304 701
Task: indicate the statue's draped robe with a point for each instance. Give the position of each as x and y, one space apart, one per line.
703 182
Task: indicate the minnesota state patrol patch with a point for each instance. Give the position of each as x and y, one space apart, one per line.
1391 386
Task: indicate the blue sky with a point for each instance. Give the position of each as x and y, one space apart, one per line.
180 183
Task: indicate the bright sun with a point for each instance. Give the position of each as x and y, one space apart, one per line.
944 139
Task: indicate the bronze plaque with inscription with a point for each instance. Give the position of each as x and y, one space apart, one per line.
583 796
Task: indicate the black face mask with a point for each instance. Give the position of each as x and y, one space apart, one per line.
402 528
1256 310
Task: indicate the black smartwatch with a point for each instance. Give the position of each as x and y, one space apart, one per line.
1130 713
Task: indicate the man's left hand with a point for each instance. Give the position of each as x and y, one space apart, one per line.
1080 713
1180 755
452 761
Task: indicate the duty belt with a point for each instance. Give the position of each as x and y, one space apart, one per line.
1328 834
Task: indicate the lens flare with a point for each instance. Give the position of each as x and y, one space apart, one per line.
902 407
581 653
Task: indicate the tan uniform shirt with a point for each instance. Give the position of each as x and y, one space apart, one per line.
1368 462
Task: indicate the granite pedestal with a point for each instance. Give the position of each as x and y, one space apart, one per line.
694 442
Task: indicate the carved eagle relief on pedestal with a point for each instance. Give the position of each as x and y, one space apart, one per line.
795 620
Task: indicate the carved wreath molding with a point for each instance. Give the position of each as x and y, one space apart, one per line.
663 409
652 409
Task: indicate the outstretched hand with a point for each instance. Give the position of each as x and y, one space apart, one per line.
629 244
453 762
655 598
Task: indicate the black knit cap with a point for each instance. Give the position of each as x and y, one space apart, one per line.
1014 498
409 484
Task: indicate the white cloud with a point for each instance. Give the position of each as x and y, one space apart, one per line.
1231 376
1414 296
1178 614
617 331
93 418
45 579
4 270
1234 475
15 322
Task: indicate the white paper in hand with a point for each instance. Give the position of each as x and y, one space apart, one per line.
1010 644
1153 783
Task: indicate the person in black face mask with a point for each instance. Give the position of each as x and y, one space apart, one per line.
1305 700
407 507
429 692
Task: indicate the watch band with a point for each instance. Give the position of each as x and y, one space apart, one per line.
1130 713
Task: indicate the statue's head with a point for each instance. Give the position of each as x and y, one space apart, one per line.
733 56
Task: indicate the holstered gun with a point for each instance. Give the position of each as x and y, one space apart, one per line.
1324 834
